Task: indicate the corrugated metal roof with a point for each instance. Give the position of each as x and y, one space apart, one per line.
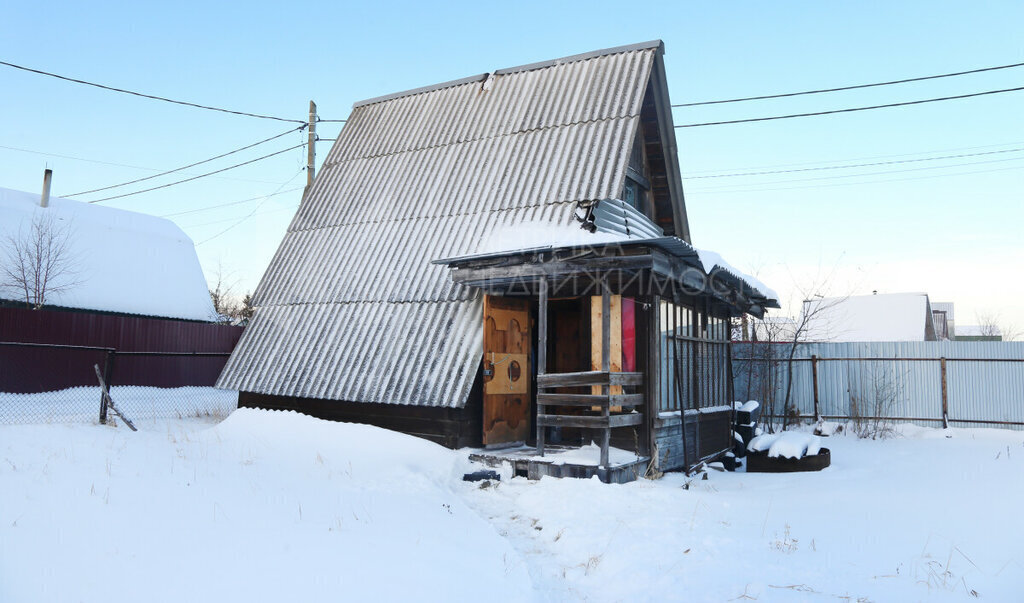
350 307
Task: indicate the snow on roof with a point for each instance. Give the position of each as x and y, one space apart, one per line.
540 233
886 317
977 331
123 261
711 260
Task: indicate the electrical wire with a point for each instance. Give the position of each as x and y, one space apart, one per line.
237 165
863 158
150 96
230 203
124 165
883 172
191 165
254 210
262 213
851 109
854 165
824 90
815 186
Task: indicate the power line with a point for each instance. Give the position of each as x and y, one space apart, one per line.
253 212
854 165
889 83
862 158
237 165
331 121
815 186
903 104
191 165
151 96
883 172
230 203
124 165
262 213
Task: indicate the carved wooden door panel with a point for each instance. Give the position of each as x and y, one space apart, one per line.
506 371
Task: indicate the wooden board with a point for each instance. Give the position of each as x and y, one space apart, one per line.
615 349
506 414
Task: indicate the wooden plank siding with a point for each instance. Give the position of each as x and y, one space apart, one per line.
450 427
714 433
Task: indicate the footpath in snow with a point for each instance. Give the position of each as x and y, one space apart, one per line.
277 506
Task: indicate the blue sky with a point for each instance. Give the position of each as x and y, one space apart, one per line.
952 230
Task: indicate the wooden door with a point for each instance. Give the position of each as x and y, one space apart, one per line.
506 371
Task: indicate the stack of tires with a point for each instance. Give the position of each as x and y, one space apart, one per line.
747 415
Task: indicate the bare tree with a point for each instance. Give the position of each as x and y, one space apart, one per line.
37 262
992 325
784 338
222 294
229 307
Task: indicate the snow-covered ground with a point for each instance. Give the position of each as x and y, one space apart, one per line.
276 506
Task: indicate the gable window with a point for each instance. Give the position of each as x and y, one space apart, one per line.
634 189
631 194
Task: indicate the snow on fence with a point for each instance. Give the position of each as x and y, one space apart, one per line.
138 403
961 383
149 385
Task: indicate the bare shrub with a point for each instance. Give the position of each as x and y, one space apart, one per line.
874 392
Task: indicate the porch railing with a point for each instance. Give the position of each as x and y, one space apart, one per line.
602 403
605 379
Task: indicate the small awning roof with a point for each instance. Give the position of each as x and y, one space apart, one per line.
669 263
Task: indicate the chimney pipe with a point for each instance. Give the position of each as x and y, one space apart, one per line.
44 200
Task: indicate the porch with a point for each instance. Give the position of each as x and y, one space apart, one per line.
659 388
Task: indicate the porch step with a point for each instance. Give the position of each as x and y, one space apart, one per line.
588 422
588 378
590 399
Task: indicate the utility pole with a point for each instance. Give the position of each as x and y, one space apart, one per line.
311 149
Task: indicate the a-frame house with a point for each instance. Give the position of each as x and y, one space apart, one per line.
470 244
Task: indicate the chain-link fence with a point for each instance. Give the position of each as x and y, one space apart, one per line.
52 383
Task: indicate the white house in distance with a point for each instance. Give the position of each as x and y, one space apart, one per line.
123 262
878 317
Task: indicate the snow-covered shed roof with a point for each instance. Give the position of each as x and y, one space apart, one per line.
351 307
121 261
882 317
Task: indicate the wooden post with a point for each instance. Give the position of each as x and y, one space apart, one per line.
606 342
945 394
108 369
652 380
542 352
311 148
814 375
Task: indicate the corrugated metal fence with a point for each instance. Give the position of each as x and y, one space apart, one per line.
965 383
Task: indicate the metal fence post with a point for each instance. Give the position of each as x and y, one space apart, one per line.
945 394
108 369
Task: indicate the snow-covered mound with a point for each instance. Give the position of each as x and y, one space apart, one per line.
788 444
265 506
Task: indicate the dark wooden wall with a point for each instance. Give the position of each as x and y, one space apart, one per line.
715 434
449 427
